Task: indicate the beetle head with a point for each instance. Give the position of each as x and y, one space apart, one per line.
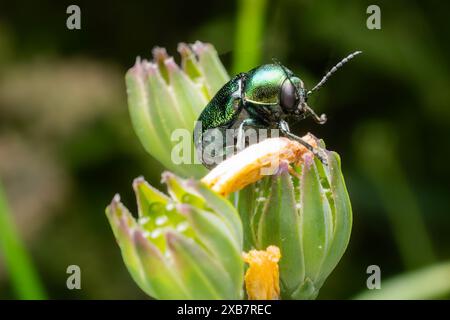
293 97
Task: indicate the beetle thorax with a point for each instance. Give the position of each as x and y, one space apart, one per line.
273 93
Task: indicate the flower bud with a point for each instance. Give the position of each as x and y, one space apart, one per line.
305 211
165 100
184 246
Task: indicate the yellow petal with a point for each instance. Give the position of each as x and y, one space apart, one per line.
262 276
255 162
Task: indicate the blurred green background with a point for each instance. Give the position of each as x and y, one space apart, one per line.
67 145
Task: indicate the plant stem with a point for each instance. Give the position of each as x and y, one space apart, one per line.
23 275
249 34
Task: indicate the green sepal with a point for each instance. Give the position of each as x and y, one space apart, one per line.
149 132
342 216
159 274
188 97
279 225
316 222
122 224
212 69
219 240
147 197
202 275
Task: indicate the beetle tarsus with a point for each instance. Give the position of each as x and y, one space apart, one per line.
318 152
321 155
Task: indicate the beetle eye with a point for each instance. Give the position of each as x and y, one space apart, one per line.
288 96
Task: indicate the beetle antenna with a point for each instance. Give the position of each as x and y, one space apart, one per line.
333 70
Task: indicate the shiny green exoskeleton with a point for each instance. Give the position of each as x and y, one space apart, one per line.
269 96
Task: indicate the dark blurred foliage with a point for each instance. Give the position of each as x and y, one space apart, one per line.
66 142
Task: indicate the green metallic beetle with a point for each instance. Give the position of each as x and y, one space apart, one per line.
269 97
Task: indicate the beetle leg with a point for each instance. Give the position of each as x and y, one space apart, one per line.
284 127
240 143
